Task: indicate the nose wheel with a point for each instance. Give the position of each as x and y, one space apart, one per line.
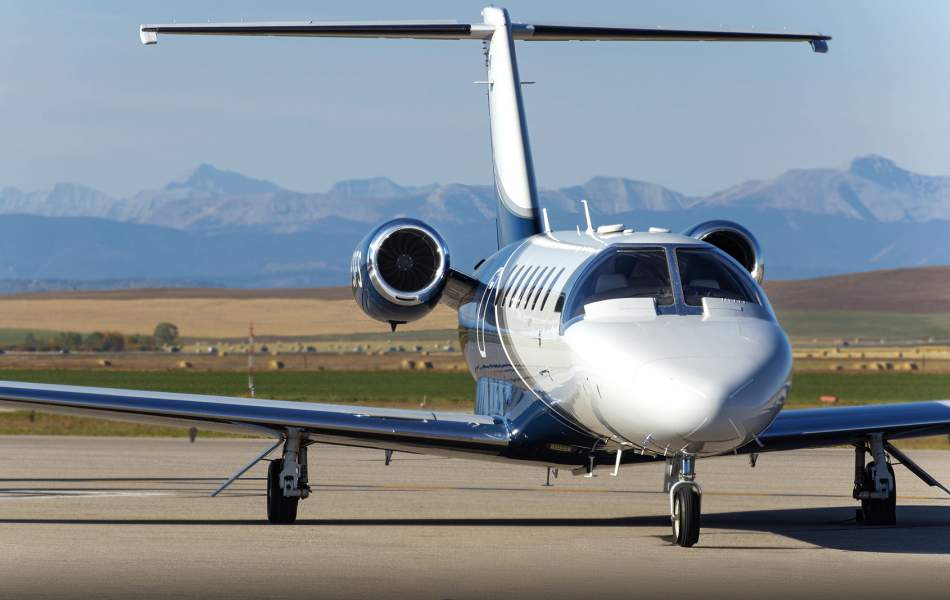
686 516
685 504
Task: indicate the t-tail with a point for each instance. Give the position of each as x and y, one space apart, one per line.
515 188
519 214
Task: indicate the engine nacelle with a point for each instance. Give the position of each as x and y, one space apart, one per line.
736 241
399 271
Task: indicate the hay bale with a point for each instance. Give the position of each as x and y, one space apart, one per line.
104 363
426 364
184 364
275 365
408 364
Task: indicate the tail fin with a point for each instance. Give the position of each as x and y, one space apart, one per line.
515 187
518 213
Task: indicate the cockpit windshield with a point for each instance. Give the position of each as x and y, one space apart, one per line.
705 273
639 273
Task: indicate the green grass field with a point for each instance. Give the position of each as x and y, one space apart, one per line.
865 388
842 324
438 390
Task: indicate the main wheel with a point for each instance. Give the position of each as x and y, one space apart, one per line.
686 516
281 510
879 511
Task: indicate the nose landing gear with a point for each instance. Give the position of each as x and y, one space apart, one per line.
685 500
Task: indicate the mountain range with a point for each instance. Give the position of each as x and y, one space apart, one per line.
219 227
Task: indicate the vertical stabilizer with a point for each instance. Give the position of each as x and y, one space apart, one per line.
518 212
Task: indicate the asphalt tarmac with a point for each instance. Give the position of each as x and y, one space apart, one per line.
131 518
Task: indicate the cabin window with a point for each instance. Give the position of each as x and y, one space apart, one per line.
541 285
547 292
525 298
528 288
502 296
520 287
706 273
627 273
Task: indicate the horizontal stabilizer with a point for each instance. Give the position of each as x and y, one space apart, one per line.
450 30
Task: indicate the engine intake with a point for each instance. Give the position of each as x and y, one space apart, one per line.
400 271
736 241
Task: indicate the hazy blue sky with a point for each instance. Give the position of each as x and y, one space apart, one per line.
82 100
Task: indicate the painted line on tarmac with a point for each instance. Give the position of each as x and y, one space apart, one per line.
563 490
61 494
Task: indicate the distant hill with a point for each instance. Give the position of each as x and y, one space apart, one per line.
217 227
920 291
873 188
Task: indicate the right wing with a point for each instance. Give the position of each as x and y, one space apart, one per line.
816 427
440 433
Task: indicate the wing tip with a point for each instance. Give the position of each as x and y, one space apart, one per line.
819 45
149 38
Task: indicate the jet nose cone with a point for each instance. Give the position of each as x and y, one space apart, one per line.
687 402
706 402
683 385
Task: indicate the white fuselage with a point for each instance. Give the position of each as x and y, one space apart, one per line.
698 380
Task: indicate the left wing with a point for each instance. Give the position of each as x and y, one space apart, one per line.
445 433
814 427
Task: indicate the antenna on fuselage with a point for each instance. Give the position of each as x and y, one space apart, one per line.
590 226
544 220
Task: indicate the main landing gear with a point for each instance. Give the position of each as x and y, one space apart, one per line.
874 484
685 499
287 480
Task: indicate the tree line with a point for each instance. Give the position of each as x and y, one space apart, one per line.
164 335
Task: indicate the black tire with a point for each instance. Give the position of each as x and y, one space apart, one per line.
281 510
686 516
879 512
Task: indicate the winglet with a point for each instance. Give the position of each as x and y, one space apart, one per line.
148 37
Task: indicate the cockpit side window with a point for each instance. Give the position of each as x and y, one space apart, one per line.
640 273
705 273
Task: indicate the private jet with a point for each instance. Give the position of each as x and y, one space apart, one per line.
591 348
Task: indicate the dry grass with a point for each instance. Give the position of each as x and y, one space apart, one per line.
149 361
923 290
209 317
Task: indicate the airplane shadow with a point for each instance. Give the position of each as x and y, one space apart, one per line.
921 529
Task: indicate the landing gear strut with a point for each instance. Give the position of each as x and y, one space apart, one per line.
874 484
287 480
685 500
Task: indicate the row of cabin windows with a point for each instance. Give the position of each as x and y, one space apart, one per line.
530 287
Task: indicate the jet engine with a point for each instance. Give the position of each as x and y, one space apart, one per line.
735 240
399 271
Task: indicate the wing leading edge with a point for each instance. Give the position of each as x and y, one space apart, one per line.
445 433
812 428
